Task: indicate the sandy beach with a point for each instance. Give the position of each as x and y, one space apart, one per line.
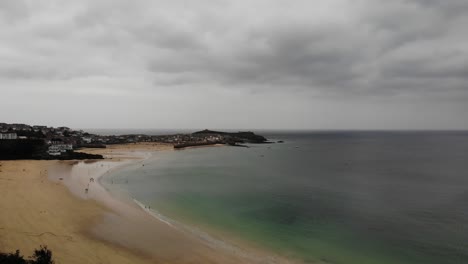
46 203
37 211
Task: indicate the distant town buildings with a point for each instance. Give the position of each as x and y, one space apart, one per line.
8 136
62 140
58 149
87 139
42 129
58 146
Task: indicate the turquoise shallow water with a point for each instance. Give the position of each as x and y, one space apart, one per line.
339 197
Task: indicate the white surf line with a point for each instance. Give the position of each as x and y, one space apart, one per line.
211 241
155 214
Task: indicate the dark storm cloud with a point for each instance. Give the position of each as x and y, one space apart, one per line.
402 40
295 55
450 7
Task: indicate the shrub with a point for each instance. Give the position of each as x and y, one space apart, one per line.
41 256
12 258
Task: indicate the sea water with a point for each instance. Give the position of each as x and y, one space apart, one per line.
330 196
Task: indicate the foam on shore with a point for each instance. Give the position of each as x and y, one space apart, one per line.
205 237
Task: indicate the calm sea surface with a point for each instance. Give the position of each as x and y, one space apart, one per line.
339 197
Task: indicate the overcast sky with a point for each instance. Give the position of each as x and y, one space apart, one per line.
238 64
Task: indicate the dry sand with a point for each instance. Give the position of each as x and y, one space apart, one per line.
44 203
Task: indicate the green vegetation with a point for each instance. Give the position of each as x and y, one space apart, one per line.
40 256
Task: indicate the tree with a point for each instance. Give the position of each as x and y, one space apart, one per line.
12 258
40 256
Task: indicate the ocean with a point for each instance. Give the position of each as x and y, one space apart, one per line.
355 197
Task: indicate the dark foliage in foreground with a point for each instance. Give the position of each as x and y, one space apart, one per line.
22 149
40 256
36 149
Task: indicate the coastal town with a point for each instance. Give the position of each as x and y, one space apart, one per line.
44 142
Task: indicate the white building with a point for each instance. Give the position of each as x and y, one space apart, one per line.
58 149
87 139
8 136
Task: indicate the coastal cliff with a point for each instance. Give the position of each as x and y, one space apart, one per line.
209 137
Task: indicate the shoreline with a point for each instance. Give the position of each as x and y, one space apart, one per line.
236 252
113 224
234 246
129 226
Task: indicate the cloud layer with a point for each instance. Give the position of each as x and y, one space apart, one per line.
364 56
